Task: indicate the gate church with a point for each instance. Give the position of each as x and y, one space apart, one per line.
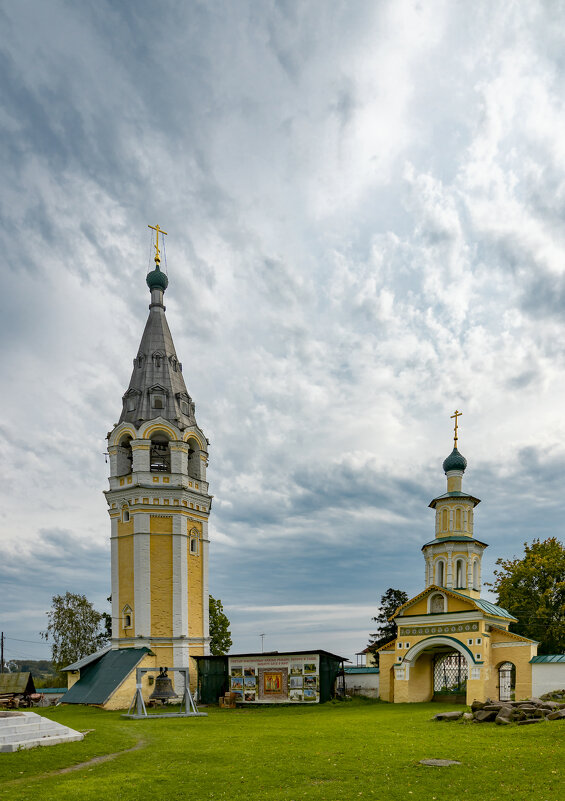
451 641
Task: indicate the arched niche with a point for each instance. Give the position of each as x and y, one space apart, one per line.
460 574
437 603
476 575
439 572
196 465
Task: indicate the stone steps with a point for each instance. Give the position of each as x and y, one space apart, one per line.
27 729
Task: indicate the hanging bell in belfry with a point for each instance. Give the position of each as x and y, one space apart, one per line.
164 690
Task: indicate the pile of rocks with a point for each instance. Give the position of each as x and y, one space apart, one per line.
532 710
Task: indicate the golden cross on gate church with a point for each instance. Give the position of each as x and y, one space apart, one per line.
159 230
455 437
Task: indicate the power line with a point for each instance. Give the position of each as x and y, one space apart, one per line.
33 642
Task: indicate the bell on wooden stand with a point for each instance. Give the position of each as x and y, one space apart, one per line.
164 690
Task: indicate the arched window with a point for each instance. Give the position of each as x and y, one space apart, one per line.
194 542
160 454
460 582
444 520
476 575
458 519
125 514
125 458
195 463
127 617
440 573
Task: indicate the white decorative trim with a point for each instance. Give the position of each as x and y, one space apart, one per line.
423 645
512 644
205 589
473 615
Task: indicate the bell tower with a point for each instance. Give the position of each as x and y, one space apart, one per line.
158 501
453 558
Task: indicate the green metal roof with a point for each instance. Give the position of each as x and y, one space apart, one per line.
486 606
351 670
16 683
454 538
545 658
86 660
454 494
99 679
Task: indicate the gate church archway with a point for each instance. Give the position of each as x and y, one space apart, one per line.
447 635
434 666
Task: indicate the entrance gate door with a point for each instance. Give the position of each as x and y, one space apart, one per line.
505 681
450 675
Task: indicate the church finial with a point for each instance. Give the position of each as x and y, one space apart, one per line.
456 415
157 279
156 246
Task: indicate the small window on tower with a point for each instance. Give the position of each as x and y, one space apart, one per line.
157 402
131 405
194 541
125 516
127 617
184 407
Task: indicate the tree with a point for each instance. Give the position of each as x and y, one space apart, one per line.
220 637
387 629
108 620
73 628
533 590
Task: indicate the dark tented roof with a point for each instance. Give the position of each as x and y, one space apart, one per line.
99 679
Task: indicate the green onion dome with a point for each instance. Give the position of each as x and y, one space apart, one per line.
157 279
455 462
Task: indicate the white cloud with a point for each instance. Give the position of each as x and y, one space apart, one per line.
364 207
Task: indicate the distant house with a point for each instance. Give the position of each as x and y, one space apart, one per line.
362 681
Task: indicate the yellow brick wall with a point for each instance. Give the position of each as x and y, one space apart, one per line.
195 608
161 550
72 677
520 656
420 607
386 681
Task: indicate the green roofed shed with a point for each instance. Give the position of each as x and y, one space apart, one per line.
100 678
16 684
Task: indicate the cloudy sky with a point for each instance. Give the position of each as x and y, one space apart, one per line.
365 204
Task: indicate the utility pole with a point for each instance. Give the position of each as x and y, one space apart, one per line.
262 639
2 652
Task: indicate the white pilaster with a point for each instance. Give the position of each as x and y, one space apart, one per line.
205 587
140 454
180 578
115 577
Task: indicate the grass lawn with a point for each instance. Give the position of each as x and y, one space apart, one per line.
357 750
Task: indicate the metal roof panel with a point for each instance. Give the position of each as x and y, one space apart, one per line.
99 679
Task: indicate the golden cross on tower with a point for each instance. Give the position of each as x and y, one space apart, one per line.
159 230
456 415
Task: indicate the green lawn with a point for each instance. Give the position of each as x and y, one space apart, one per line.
357 750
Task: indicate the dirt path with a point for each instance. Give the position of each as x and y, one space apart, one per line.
90 763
